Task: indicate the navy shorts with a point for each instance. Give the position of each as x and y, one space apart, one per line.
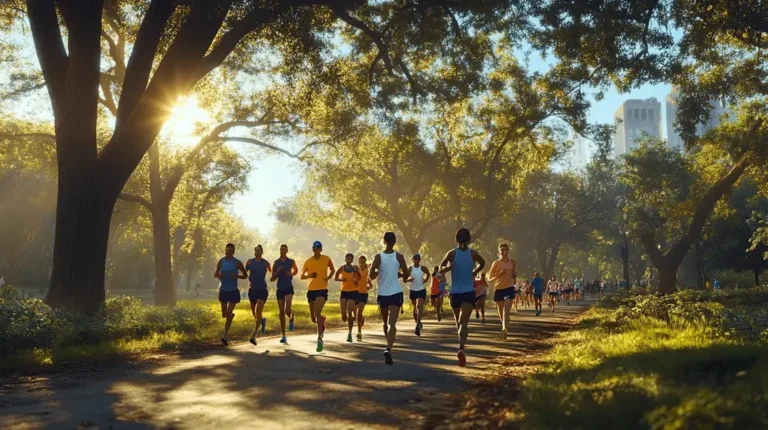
393 300
505 294
421 294
435 296
537 296
459 299
350 295
255 295
362 298
229 296
553 294
284 292
312 295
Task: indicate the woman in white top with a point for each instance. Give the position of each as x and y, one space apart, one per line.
419 275
553 289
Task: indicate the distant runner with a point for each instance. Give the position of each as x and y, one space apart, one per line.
283 271
389 266
481 292
227 270
503 275
464 264
363 286
553 289
418 295
437 291
257 268
318 269
578 285
348 276
536 286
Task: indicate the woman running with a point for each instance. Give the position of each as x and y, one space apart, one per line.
481 292
437 292
419 275
363 286
347 275
552 288
257 268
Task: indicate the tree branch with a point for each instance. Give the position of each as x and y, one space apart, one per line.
137 199
49 47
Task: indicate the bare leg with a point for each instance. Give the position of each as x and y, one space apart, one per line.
343 307
319 304
465 312
392 331
350 314
229 317
281 314
360 317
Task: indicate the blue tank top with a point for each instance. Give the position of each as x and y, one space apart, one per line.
257 270
228 268
284 279
462 279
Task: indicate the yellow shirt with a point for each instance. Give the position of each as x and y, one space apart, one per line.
347 280
362 283
319 266
502 282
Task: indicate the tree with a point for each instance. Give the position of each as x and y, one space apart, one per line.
175 45
717 56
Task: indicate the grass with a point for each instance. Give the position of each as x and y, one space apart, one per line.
34 338
686 370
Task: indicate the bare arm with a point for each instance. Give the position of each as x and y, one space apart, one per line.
269 267
479 262
294 269
332 269
426 274
375 267
403 266
274 274
445 267
216 274
242 269
336 277
306 275
494 273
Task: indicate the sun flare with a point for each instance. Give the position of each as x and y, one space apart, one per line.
185 118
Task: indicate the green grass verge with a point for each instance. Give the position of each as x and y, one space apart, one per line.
690 361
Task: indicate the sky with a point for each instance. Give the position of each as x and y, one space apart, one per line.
277 176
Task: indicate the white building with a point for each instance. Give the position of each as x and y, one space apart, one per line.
673 137
634 119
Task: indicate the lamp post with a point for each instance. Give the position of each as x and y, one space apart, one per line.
620 204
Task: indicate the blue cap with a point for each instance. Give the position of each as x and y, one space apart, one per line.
317 244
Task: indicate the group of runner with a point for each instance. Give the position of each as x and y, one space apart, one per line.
469 287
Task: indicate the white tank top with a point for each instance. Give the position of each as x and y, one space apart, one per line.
417 273
389 283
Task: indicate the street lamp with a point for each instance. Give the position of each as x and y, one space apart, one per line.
621 203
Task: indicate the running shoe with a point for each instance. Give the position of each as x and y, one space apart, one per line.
402 310
290 324
504 334
283 340
388 357
439 317
483 321
462 358
477 314
224 341
418 330
263 325
319 345
359 337
252 340
349 337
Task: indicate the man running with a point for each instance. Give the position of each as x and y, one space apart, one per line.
481 292
503 275
227 272
389 266
553 290
536 287
464 264
577 287
257 268
318 269
348 276
283 271
418 294
363 286
437 291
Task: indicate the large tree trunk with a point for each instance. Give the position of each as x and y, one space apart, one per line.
83 214
668 277
165 294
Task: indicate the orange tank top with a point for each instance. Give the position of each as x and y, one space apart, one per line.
362 283
348 280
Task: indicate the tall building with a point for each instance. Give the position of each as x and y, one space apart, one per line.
634 119
673 137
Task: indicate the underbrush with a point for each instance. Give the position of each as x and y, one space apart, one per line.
33 336
694 359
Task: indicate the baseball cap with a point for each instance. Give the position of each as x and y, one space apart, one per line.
317 244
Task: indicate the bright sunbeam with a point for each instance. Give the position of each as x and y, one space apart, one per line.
185 117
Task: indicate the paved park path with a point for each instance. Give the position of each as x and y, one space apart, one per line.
283 386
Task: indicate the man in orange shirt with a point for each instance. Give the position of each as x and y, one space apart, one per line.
503 275
318 269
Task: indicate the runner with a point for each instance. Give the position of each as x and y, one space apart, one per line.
568 292
319 269
481 292
536 286
464 263
363 286
552 288
577 286
283 270
257 268
348 276
227 272
528 294
503 275
437 292
391 266
419 275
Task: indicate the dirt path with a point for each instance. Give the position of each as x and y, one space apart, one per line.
278 386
